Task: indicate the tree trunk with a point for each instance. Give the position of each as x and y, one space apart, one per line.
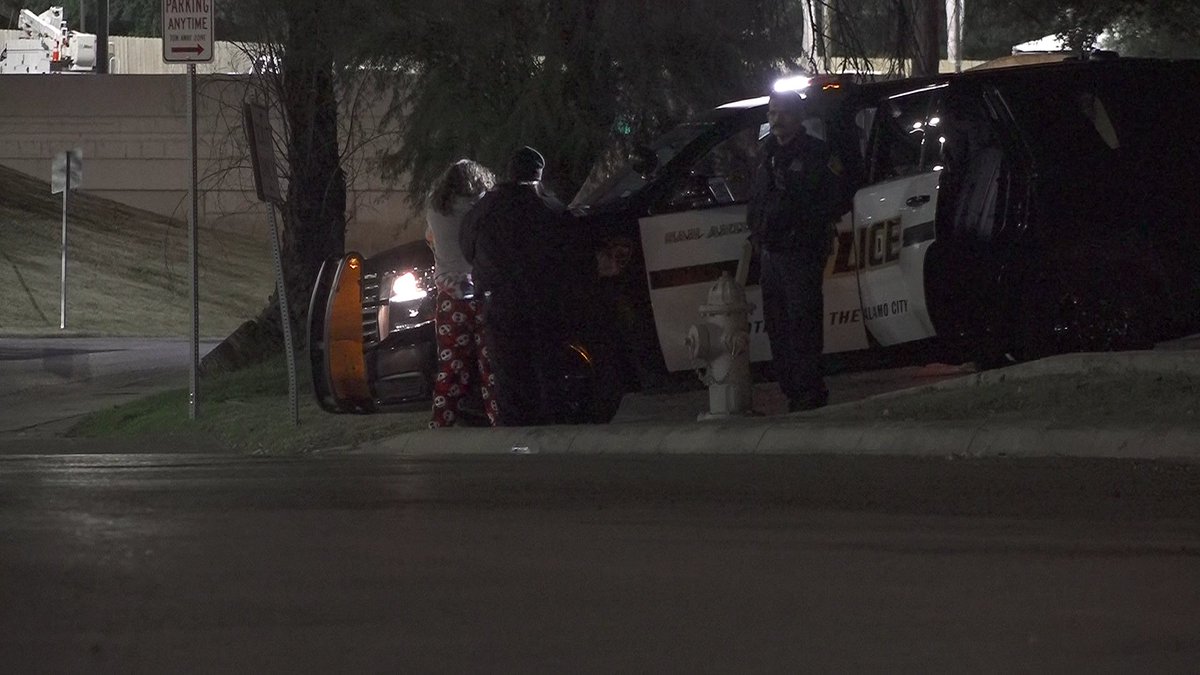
315 214
926 20
314 217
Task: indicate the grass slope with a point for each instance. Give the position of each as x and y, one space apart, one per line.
244 411
128 275
127 269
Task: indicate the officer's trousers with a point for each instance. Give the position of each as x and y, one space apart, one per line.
794 308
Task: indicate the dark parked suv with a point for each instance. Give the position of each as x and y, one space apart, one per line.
999 215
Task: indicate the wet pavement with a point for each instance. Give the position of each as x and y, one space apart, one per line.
150 563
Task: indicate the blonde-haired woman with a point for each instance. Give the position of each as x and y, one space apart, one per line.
462 357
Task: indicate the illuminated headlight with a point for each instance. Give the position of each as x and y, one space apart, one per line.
406 288
409 301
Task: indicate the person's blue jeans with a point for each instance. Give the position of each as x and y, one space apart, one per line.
794 308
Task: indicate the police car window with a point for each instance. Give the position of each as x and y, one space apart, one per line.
1063 124
974 163
933 154
905 141
723 175
863 121
625 181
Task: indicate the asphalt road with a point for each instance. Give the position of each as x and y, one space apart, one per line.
155 563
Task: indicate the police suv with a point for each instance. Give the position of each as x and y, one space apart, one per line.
999 215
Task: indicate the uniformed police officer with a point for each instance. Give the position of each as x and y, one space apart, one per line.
799 195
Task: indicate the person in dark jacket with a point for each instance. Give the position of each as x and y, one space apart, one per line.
514 239
799 194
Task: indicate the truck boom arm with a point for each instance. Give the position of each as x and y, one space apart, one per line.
49 24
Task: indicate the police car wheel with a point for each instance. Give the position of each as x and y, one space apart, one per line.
589 393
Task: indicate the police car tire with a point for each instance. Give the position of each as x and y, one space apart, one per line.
607 392
604 394
591 394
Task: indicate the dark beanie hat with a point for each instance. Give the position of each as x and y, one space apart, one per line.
526 165
789 99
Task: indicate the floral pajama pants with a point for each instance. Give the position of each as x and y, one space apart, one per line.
462 360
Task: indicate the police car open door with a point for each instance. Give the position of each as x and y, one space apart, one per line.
894 215
694 235
699 232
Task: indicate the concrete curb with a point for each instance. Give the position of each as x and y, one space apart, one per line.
796 437
808 433
1109 363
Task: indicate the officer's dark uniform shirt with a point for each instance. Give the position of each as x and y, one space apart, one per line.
799 193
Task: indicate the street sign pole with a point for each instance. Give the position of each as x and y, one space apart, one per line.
257 121
193 246
66 174
285 315
62 295
187 37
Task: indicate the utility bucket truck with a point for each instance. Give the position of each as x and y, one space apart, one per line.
46 45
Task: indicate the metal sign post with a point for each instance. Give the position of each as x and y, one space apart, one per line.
257 121
66 174
187 30
193 249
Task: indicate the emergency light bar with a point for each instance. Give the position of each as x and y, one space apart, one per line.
793 83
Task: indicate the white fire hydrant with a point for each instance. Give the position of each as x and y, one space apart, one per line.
722 344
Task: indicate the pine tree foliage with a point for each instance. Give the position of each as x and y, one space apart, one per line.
584 80
572 77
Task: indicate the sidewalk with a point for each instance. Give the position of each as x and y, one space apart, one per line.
666 424
47 384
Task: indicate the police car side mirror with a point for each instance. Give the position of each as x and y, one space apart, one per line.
643 160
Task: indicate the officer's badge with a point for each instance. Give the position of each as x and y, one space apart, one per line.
835 166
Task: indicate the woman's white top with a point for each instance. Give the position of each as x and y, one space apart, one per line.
450 269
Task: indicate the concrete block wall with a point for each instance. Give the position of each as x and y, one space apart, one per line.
132 127
134 134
